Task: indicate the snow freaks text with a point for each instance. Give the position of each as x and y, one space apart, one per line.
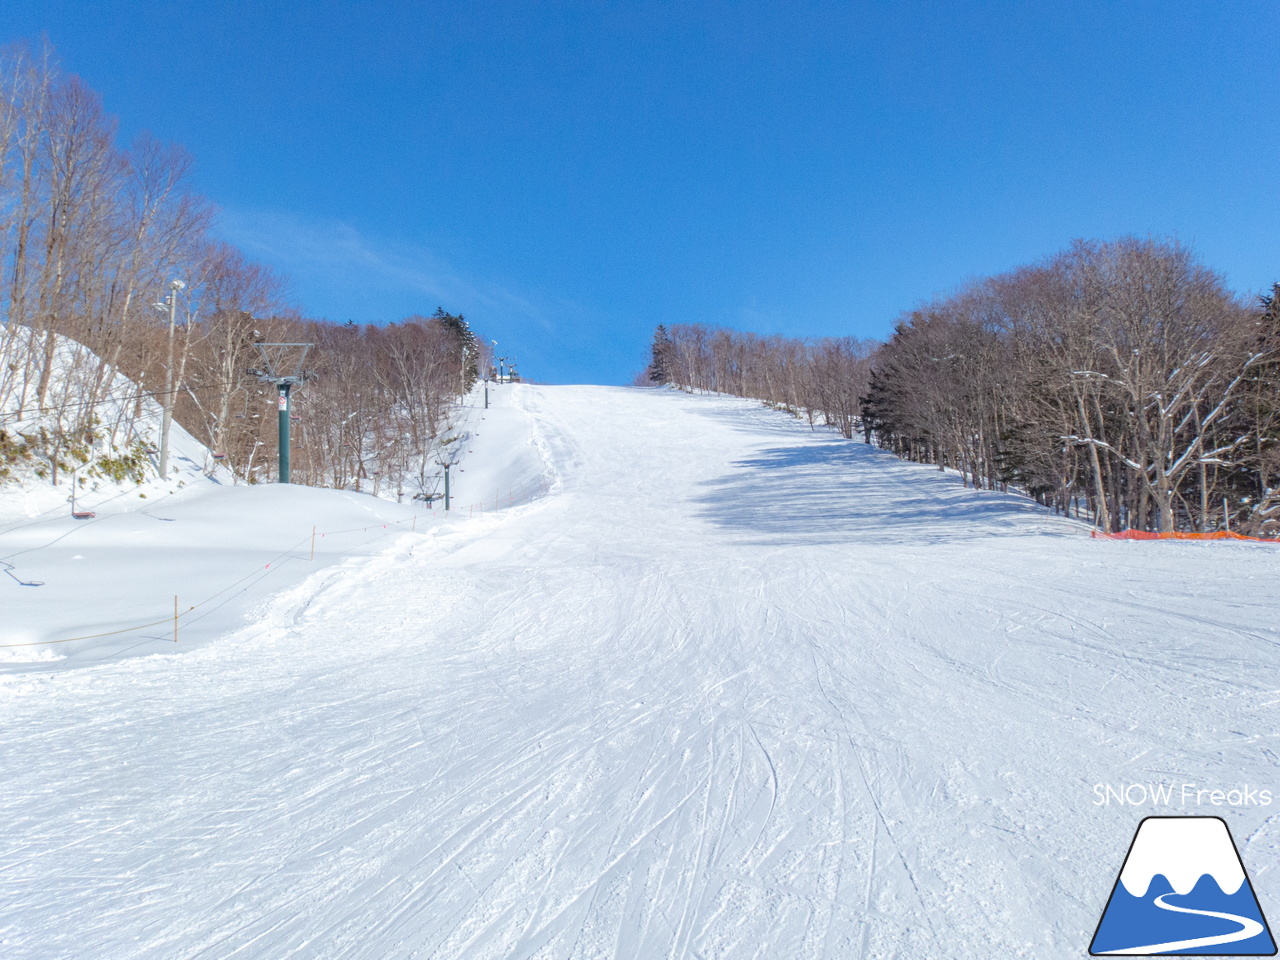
1178 795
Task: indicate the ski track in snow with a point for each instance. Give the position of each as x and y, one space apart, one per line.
733 689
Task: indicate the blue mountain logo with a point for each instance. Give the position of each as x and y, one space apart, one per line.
1183 892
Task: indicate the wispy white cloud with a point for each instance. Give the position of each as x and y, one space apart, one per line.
340 272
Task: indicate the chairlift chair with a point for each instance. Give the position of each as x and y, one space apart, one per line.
79 514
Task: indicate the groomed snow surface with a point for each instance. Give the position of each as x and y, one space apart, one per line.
707 684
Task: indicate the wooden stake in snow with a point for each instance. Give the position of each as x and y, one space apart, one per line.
175 618
313 544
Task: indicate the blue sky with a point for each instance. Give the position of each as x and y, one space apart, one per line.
567 175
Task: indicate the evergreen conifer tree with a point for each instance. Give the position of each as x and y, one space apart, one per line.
659 371
466 341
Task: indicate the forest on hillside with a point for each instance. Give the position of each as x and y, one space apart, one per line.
110 265
1120 381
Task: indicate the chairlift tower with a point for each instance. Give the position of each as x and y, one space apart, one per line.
448 459
282 365
447 465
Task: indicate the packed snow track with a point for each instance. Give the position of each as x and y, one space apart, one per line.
733 688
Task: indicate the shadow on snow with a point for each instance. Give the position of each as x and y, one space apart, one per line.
840 491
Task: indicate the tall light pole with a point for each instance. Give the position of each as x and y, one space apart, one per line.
166 419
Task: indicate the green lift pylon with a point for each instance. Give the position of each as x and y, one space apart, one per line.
283 391
282 365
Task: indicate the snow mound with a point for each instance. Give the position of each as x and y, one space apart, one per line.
77 591
119 464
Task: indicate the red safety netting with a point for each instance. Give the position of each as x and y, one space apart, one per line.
1148 535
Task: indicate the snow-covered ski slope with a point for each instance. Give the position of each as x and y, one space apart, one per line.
91 590
733 688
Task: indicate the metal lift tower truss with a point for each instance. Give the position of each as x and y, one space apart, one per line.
282 365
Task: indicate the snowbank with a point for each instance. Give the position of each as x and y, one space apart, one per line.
78 591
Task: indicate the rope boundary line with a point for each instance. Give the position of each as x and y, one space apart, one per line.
263 572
